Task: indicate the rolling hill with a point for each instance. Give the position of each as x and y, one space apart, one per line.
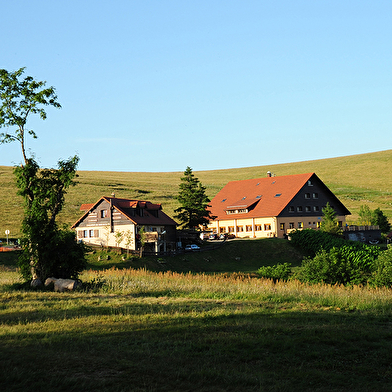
355 180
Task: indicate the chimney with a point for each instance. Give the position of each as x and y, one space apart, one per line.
269 174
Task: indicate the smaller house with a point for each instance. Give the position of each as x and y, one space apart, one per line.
117 222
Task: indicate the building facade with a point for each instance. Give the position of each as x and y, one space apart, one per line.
124 223
273 206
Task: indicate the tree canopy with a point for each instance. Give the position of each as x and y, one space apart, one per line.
19 99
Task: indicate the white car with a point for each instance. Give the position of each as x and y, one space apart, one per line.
192 248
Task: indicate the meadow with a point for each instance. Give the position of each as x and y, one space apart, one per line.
355 180
137 330
134 329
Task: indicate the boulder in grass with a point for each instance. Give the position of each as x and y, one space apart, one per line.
62 285
36 283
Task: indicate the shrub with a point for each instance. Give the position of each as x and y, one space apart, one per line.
275 272
62 257
332 267
382 269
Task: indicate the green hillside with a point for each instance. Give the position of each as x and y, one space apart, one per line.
356 180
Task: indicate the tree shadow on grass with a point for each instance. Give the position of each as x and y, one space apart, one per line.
192 345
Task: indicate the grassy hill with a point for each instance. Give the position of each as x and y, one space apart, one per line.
355 180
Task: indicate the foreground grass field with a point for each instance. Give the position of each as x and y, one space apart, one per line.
356 180
139 330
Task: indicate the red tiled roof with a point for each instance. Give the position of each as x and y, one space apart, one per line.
268 196
86 207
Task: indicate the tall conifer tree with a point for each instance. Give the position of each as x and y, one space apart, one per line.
194 203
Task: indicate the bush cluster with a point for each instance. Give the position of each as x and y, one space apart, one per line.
338 261
275 272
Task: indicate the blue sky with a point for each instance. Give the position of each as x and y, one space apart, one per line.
161 85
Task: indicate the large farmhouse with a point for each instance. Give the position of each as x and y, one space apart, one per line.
104 220
272 206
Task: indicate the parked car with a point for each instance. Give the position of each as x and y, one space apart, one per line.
192 248
204 236
213 236
222 236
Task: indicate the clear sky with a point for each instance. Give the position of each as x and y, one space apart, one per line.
158 85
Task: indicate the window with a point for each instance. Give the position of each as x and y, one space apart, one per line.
291 209
240 228
258 227
91 233
300 225
224 200
278 194
222 230
291 225
318 224
310 183
85 234
299 208
267 227
231 229
104 213
308 209
248 227
307 195
316 208
315 195
282 226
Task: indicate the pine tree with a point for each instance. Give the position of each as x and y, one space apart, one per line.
194 202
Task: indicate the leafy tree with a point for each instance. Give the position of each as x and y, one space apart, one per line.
330 224
47 249
119 237
129 239
366 216
381 220
194 203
